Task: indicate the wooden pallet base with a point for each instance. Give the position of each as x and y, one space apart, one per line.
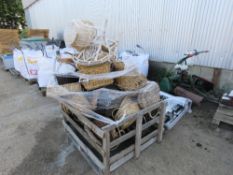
30 82
43 91
106 153
223 114
14 72
126 154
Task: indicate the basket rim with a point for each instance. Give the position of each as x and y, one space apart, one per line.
92 63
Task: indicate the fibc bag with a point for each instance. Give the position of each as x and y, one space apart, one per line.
25 61
139 60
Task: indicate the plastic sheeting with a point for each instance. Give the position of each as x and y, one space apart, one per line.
48 65
101 103
176 108
138 60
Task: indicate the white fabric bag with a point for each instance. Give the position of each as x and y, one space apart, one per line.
25 61
140 61
47 66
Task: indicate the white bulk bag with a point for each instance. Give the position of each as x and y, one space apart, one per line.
25 61
140 61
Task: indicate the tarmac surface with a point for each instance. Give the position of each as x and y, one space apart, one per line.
33 141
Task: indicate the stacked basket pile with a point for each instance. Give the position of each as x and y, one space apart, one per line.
125 91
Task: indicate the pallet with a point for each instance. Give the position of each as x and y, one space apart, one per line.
223 114
43 91
105 153
30 82
14 72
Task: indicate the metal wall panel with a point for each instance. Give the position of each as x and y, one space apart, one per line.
165 28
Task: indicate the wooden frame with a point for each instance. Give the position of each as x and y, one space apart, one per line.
104 153
223 114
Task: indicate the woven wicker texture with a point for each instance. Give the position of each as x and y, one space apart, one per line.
9 38
128 106
38 32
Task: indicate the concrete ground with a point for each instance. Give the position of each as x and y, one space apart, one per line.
33 142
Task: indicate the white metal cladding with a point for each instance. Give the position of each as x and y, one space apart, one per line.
165 28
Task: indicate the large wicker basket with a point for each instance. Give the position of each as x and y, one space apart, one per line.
74 87
131 82
128 106
86 32
149 97
80 100
104 67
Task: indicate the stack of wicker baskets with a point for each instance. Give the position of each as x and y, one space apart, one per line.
86 33
98 67
96 59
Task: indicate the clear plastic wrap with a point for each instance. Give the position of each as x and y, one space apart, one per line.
110 75
103 104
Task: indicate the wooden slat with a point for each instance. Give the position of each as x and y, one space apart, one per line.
84 134
106 158
130 155
226 111
133 132
96 169
121 161
161 122
83 146
131 148
220 117
138 136
86 122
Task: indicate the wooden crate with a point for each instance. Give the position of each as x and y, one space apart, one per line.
9 38
106 154
38 32
223 114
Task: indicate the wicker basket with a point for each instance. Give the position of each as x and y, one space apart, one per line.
148 98
95 84
74 87
86 33
66 60
128 106
4 49
118 65
95 69
133 82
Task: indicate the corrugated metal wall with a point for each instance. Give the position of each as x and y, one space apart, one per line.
165 28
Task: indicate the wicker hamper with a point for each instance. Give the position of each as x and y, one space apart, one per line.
150 97
131 82
104 67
